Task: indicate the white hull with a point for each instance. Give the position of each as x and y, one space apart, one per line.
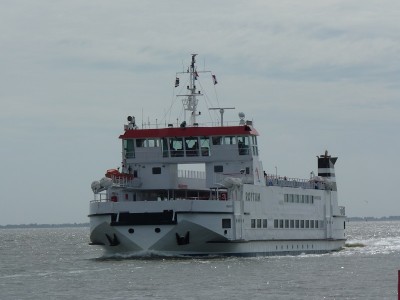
144 241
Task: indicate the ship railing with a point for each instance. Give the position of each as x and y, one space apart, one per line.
283 181
246 178
126 181
156 125
342 210
191 174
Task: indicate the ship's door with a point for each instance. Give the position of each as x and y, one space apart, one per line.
238 220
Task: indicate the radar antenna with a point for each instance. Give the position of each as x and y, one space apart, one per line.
221 111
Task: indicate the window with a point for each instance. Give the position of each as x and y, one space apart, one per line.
217 140
258 223
129 148
311 223
265 223
226 223
192 146
286 198
230 140
205 146
307 224
176 147
153 142
165 147
286 223
280 223
316 223
156 170
253 223
243 145
218 169
140 143
275 223
297 224
255 150
301 223
291 223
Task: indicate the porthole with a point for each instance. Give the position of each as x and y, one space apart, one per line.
157 230
131 230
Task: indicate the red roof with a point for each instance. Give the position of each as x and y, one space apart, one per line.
188 131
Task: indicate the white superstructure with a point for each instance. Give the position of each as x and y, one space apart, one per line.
231 208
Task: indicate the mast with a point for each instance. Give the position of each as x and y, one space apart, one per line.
191 101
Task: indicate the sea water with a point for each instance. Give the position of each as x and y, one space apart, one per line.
59 264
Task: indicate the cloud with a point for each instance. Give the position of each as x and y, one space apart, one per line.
312 75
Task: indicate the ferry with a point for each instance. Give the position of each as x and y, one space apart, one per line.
227 205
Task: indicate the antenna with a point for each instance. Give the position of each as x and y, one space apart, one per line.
221 111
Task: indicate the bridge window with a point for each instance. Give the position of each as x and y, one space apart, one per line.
243 145
217 140
165 147
153 142
205 146
192 146
140 143
230 140
129 148
176 146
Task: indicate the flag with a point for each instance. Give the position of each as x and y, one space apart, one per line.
196 75
214 79
176 82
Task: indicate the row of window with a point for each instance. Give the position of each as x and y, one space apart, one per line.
294 198
191 146
280 223
298 223
259 223
217 169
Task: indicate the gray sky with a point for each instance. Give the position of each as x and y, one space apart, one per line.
313 75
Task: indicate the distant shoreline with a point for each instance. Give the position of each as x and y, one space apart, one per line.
390 218
45 225
66 225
